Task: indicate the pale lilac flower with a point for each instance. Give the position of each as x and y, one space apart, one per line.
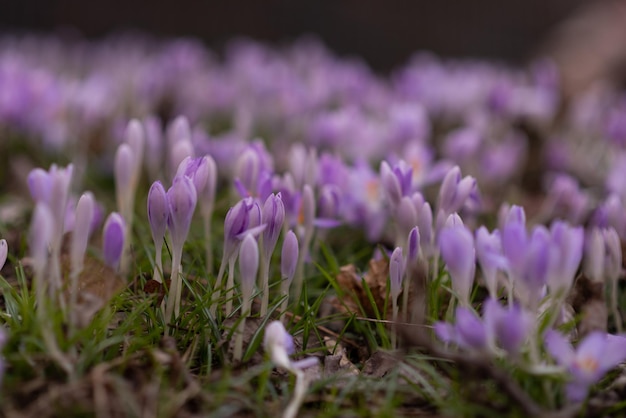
158 212
565 254
84 216
528 260
248 266
455 191
502 327
279 344
595 355
456 244
490 257
468 331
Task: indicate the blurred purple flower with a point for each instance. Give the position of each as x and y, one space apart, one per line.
595 355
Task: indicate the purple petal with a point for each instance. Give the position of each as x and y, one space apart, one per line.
470 329
559 348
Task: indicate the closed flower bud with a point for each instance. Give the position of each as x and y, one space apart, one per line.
113 239
248 265
85 209
158 211
273 216
181 200
289 256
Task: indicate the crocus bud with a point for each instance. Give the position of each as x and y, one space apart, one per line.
457 250
248 265
508 327
329 201
135 137
80 236
273 216
454 220
41 230
289 256
154 143
413 246
4 250
566 251
490 257
61 179
124 167
247 170
178 130
158 211
181 201
255 215
455 190
206 197
391 184
179 151
235 224
39 185
113 239
396 271
197 170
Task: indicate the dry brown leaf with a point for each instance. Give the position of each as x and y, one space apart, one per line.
587 299
355 294
97 284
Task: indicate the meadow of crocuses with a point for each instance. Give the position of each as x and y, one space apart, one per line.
216 199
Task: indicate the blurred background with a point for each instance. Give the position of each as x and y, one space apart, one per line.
383 33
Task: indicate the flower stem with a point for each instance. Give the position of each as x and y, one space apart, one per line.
230 285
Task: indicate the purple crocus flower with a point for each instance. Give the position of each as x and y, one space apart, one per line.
456 244
504 327
197 169
248 267
396 182
158 212
181 202
507 327
468 331
273 215
413 247
39 185
490 257
595 355
528 260
454 191
566 250
113 239
83 218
